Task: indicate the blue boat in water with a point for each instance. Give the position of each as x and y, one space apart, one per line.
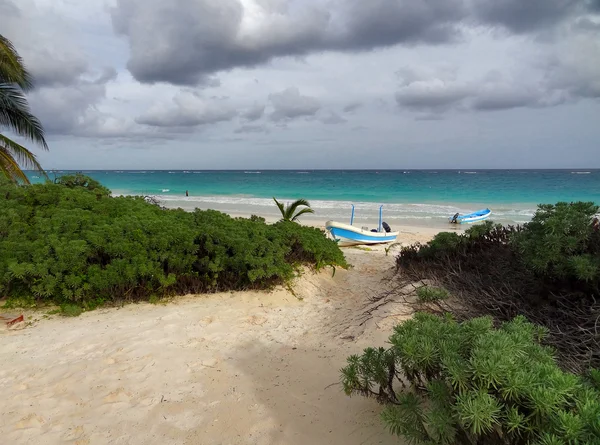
348 235
480 215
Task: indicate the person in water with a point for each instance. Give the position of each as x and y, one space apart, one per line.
186 193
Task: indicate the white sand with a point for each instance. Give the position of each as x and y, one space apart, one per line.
233 368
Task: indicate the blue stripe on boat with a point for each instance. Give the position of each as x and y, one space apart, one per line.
342 233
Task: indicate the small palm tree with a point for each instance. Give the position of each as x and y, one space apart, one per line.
289 212
15 115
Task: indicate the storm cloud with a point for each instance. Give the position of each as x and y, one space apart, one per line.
190 39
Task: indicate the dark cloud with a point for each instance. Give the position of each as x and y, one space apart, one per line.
188 110
524 15
191 39
254 113
290 104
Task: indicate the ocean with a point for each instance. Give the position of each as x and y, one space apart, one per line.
409 197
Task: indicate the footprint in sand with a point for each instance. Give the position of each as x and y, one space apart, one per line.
117 396
256 320
76 434
30 421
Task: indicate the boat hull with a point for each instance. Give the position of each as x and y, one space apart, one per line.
347 235
482 215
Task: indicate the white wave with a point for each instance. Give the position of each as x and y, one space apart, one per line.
470 173
166 190
303 173
580 173
253 173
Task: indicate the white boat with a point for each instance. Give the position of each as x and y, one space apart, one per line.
480 215
348 235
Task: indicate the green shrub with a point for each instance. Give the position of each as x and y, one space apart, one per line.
427 294
560 242
71 242
445 382
547 270
71 310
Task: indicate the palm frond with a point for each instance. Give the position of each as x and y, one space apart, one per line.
293 206
281 208
302 212
23 156
12 69
10 167
14 114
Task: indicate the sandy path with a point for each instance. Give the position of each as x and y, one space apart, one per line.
243 368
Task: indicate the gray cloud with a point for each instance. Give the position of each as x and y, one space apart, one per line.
188 110
254 113
352 107
191 39
59 64
430 92
524 16
290 104
333 118
251 129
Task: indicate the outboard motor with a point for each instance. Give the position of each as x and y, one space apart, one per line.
454 219
386 227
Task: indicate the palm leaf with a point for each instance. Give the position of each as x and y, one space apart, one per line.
281 208
23 156
293 206
10 167
302 212
14 114
12 69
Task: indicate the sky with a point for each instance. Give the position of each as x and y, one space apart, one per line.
235 84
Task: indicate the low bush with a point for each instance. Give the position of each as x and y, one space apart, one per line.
71 242
547 270
445 382
427 294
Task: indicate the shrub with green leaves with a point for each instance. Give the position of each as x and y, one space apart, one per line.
547 270
71 242
445 382
428 294
561 243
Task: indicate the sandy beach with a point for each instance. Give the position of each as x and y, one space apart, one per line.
229 368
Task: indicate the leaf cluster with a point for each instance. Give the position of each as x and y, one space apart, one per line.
547 270
445 382
71 242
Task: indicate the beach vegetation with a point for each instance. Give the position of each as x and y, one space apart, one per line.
16 117
448 382
547 269
70 242
293 211
427 294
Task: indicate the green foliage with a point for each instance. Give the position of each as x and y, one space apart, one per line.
71 310
71 242
557 243
445 382
80 180
289 213
548 270
16 116
427 294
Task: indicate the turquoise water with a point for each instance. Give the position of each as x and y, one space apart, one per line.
412 194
